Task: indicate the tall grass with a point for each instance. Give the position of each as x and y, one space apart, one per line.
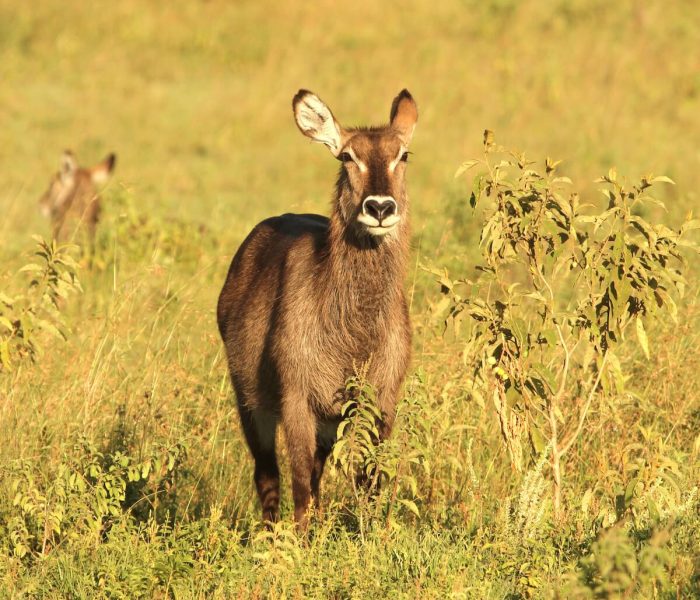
123 469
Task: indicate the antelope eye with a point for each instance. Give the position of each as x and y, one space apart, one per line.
345 157
404 157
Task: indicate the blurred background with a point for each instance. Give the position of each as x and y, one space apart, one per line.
195 97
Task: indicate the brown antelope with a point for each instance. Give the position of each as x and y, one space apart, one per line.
307 298
72 201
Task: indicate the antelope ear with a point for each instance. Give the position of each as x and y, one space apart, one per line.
315 120
100 173
404 115
68 166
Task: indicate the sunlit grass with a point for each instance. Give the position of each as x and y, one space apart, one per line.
195 99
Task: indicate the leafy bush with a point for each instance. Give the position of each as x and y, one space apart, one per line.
24 315
88 492
392 464
556 295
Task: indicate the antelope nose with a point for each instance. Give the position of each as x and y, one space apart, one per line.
379 208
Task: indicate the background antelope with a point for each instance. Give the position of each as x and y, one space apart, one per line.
307 298
72 201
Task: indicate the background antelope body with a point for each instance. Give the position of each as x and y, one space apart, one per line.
307 298
72 201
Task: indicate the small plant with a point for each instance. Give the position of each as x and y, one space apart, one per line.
36 309
557 294
617 568
394 463
355 451
86 494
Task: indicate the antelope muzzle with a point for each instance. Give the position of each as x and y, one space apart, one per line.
380 215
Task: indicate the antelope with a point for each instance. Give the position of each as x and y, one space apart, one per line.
308 297
72 201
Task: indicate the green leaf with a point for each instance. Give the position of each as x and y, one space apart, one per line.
519 329
465 166
31 268
630 490
442 305
616 369
537 440
562 180
550 335
642 337
653 511
6 300
410 505
4 353
586 501
663 179
477 186
50 328
687 226
547 376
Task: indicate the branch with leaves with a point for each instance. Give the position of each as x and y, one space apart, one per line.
559 287
37 308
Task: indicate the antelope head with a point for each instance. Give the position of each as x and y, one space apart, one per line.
371 194
64 183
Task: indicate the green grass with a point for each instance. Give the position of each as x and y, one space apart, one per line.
195 98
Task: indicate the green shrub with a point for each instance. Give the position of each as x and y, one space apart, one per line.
557 293
35 310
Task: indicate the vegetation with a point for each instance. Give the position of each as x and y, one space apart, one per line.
548 441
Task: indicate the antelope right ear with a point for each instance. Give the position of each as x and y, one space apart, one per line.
316 121
404 115
68 166
100 173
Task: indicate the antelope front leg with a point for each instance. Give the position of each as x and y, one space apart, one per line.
395 354
388 410
300 430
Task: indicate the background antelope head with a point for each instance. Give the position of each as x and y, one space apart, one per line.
371 192
74 191
70 180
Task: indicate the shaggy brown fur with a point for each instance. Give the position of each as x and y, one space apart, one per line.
72 201
307 298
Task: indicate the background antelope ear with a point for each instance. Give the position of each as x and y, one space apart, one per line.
315 120
68 165
404 115
100 173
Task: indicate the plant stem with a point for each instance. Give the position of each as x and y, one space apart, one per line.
556 455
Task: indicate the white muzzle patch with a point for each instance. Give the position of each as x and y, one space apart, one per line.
380 215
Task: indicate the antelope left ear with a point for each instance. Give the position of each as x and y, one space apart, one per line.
404 115
316 121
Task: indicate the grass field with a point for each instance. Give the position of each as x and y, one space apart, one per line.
123 472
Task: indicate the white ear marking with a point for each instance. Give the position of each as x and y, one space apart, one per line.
315 120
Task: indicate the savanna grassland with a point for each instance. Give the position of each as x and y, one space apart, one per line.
123 471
